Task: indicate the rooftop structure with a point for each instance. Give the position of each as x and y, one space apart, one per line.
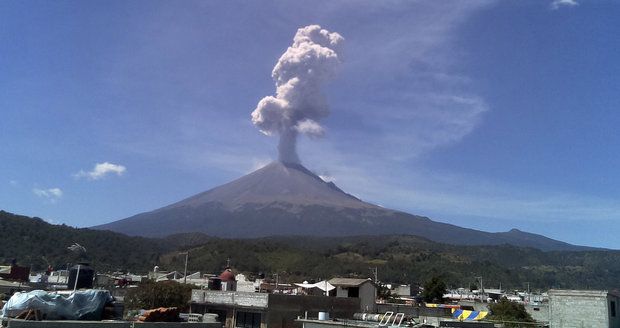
583 308
363 289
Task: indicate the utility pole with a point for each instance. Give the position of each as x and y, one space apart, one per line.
481 289
528 291
185 271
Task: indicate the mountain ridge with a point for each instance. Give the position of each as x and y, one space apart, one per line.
288 199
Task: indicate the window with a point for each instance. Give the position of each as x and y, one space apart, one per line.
247 320
612 307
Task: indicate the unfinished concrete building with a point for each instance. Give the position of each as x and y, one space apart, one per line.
583 308
261 310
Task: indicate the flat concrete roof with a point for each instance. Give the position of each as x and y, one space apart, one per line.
577 292
348 282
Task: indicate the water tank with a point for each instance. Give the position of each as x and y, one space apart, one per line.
215 284
323 316
84 277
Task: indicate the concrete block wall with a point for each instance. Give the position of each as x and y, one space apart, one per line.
368 297
233 298
538 312
578 309
284 309
337 306
198 295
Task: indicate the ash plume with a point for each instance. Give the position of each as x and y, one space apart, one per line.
299 104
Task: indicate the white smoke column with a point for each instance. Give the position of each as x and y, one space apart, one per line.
299 104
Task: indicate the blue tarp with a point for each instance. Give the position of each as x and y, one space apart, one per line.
81 305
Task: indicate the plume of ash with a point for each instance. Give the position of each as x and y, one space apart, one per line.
299 104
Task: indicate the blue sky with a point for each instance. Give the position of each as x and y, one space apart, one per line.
487 114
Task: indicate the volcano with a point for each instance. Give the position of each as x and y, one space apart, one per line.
288 199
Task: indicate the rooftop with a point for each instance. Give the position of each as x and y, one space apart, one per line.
348 282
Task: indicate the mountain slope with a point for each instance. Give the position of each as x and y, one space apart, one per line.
36 243
398 258
276 182
288 199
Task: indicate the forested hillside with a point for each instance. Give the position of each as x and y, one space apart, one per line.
402 259
406 259
36 243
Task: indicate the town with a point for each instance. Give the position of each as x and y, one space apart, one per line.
79 296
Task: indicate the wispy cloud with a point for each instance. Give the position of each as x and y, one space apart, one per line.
101 170
556 4
52 194
408 95
506 203
450 197
420 122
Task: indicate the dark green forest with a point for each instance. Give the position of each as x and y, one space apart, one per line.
407 259
35 243
398 259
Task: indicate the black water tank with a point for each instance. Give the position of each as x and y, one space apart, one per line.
84 278
215 284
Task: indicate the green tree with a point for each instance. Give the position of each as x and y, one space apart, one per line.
506 310
434 290
151 294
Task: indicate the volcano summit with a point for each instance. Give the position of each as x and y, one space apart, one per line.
288 199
